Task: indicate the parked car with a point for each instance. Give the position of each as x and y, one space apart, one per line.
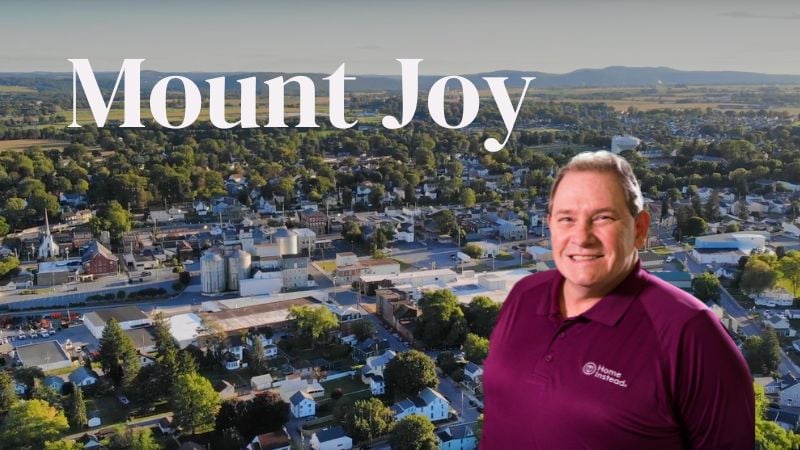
188 261
146 273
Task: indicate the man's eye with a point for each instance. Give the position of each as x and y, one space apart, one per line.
565 219
603 218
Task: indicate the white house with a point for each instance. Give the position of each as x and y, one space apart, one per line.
372 372
790 396
428 403
302 405
773 298
331 439
128 317
487 248
261 382
474 372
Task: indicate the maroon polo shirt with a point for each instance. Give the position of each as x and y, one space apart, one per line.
647 367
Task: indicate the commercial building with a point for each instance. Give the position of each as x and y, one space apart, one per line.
47 356
129 317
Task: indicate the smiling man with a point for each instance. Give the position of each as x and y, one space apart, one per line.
599 354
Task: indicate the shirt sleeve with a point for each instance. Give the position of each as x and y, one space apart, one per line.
715 400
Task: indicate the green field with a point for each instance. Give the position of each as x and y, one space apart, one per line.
17 145
16 90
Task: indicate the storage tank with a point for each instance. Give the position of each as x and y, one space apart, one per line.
286 240
212 273
238 268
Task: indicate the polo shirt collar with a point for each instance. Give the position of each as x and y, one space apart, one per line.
610 309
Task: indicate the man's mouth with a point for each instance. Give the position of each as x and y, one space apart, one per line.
584 257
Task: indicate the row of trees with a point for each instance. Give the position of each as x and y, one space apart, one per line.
445 322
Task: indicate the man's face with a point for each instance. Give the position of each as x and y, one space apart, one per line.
594 236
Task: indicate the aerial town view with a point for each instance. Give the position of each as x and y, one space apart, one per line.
335 285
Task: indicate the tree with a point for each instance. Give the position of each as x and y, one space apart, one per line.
258 357
8 264
194 402
62 445
476 348
31 423
133 439
351 232
706 287
442 322
757 277
363 329
313 322
368 419
770 350
8 395
696 226
752 353
770 435
473 251
162 335
77 409
481 314
408 373
467 197
789 266
118 356
414 432
264 413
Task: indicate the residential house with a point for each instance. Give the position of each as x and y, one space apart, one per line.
302 405
775 297
458 437
94 419
54 382
474 372
786 419
428 403
333 438
372 372
369 347
277 440
83 377
225 390
780 324
261 382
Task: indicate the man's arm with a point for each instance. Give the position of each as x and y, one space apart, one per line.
715 401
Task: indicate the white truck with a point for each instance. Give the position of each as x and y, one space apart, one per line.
463 257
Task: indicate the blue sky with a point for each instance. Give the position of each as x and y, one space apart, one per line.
454 37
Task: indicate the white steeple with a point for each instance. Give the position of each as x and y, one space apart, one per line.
48 248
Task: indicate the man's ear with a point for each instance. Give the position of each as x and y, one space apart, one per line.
642 225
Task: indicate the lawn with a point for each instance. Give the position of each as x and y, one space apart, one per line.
17 90
111 411
327 266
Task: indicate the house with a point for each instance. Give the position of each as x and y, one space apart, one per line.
277 440
372 372
302 405
780 324
487 249
775 297
89 441
234 353
97 260
474 372
225 390
682 280
261 382
94 419
48 355
786 419
83 377
270 349
333 438
428 403
54 382
370 347
458 437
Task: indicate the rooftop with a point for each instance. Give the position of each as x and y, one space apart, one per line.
41 353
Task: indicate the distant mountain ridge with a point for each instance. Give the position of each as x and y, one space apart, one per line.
606 77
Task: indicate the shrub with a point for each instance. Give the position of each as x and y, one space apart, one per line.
121 294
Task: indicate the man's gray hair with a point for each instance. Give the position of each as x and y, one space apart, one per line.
605 162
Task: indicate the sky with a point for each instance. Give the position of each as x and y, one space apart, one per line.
452 36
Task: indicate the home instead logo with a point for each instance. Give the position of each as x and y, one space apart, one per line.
604 373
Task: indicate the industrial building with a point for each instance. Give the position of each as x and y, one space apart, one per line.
48 355
128 317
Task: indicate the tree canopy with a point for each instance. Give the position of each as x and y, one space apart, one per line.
408 373
194 402
31 423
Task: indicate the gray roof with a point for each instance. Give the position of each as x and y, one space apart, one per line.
41 353
141 337
80 374
456 432
122 314
330 434
96 248
471 367
298 397
428 395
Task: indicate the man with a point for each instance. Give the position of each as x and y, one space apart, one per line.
599 354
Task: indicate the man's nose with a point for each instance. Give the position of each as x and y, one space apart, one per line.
583 233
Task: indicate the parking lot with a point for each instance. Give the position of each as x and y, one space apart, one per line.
78 335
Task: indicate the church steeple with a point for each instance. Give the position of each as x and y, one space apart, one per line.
48 248
46 224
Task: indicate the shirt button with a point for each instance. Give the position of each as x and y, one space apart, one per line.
561 335
548 358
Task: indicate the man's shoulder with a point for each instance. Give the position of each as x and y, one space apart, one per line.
537 280
665 301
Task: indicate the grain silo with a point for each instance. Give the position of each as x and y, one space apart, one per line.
238 268
212 273
286 240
